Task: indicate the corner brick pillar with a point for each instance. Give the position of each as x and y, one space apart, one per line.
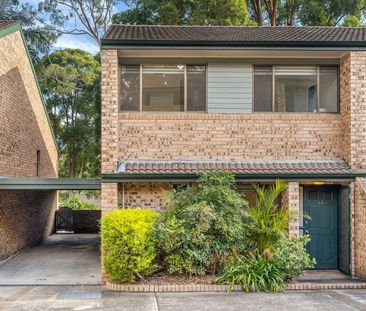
293 203
353 112
353 108
110 102
109 197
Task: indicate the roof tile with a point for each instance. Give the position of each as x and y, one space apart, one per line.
234 34
240 167
5 24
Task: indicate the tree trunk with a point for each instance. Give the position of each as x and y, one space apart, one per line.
271 7
258 11
71 164
291 15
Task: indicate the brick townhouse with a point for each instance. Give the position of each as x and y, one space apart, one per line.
261 102
27 148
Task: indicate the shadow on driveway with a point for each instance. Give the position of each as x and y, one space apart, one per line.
62 259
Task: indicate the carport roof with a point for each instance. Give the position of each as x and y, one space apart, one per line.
10 183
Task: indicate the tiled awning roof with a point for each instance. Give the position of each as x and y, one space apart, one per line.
236 167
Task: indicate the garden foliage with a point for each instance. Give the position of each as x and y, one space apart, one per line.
291 257
208 228
253 273
128 245
76 203
268 219
203 225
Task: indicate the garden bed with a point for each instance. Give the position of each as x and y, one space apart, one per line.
208 230
162 282
167 279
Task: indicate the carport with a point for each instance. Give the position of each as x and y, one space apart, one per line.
30 251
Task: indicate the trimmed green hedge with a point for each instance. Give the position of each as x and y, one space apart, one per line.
128 244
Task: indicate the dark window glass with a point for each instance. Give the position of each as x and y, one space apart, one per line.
38 162
262 89
163 88
130 88
295 89
196 88
328 89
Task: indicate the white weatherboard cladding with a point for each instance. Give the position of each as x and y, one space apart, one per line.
230 88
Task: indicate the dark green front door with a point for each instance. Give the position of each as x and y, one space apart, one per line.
321 204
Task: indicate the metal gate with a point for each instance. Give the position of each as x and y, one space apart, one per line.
64 219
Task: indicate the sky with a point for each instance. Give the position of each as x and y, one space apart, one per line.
83 42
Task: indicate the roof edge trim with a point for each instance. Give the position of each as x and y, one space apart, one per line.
175 43
129 177
10 29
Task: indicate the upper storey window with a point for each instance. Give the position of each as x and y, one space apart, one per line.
163 88
296 88
130 86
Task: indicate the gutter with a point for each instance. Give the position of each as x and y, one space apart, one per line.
181 177
109 43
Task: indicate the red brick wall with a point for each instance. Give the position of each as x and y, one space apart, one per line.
229 136
143 195
25 218
20 134
24 128
359 232
353 108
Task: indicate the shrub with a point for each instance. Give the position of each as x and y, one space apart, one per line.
253 273
203 225
291 258
77 204
269 220
128 245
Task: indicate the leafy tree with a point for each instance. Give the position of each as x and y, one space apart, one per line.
331 12
307 12
213 12
38 37
70 83
90 17
184 12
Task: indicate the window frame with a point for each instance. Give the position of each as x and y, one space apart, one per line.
185 90
317 87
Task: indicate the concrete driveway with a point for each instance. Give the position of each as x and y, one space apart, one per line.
62 259
94 298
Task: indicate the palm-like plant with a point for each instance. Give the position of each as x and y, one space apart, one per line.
269 219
